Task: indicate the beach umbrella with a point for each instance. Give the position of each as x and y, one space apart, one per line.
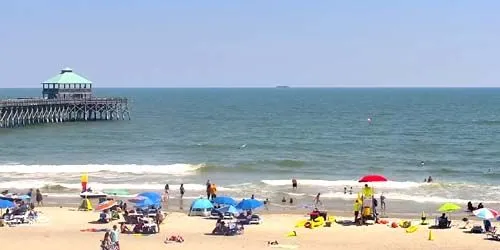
448 207
228 209
249 204
6 204
373 178
154 197
224 200
117 192
137 199
486 213
201 203
106 205
146 202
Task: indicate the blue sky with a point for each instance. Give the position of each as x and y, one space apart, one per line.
252 43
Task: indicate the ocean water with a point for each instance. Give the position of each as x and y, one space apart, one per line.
253 141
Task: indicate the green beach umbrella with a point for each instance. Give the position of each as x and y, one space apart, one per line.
449 207
116 192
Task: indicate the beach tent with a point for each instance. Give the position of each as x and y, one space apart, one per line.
86 205
200 207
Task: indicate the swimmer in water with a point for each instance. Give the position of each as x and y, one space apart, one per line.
429 180
422 163
369 120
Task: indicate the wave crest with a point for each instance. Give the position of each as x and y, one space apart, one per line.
348 183
173 169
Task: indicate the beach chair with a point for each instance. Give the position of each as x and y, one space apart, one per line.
492 233
255 219
233 229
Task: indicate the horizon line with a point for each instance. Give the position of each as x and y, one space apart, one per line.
289 87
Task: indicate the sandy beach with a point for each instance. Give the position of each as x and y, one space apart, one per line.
59 228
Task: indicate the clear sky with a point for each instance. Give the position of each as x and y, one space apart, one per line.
161 43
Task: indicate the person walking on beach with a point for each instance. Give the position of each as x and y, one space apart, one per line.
181 190
294 184
39 197
317 200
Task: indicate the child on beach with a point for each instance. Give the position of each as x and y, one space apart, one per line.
39 197
294 184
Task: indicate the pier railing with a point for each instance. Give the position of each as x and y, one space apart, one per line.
40 101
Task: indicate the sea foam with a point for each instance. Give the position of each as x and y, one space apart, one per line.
347 183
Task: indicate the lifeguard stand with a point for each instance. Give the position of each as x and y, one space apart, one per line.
67 85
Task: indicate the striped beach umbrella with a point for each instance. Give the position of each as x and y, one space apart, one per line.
486 213
105 205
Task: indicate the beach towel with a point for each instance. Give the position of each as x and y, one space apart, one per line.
284 246
93 230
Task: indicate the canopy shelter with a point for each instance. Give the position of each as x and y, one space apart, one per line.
67 85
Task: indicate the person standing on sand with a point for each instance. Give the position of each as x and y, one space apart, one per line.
167 189
294 184
209 185
181 190
382 202
357 207
39 197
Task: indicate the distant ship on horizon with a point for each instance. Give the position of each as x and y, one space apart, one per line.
282 87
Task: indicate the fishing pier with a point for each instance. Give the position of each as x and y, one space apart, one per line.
65 97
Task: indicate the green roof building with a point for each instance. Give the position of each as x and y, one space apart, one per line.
67 85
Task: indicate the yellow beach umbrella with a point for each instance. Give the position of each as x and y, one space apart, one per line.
449 207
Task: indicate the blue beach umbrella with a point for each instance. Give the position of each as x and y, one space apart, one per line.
24 197
201 203
146 202
154 197
6 204
224 200
228 209
249 204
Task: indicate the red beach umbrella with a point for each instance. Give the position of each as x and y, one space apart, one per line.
373 178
